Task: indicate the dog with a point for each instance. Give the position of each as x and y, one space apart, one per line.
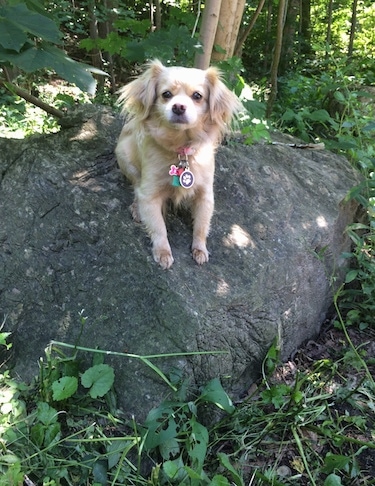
177 116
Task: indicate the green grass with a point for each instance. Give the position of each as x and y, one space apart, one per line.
306 422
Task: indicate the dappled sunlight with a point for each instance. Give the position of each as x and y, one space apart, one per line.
321 222
238 237
222 287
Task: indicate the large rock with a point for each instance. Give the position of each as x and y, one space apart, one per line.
68 243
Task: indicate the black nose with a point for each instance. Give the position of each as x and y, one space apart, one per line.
178 109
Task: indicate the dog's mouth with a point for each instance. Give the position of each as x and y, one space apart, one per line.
179 119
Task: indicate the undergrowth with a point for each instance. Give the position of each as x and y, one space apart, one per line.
309 424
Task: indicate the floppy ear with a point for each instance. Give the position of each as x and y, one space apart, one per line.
223 104
139 96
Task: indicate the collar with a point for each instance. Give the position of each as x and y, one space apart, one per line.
184 151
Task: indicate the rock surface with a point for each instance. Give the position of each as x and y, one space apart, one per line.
68 243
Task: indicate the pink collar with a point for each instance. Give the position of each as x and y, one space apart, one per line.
185 151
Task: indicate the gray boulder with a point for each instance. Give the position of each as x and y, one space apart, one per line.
68 243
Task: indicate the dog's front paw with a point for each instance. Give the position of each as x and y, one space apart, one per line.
134 212
164 258
200 256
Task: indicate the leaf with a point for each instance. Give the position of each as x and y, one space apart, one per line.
335 461
199 442
64 388
52 434
219 480
332 480
25 20
223 458
174 469
11 36
351 275
46 414
99 379
47 56
213 392
37 434
99 471
320 115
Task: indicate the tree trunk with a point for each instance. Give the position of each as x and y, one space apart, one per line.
245 34
352 28
268 43
96 55
289 35
155 14
305 28
210 19
227 30
276 56
329 25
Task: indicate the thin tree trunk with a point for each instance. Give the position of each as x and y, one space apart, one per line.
96 55
245 34
352 28
289 34
329 24
276 56
267 46
305 27
210 19
227 31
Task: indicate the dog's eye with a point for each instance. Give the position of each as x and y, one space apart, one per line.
167 95
197 96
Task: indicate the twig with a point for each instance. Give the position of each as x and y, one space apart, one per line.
311 146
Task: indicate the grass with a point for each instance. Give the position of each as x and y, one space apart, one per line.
305 422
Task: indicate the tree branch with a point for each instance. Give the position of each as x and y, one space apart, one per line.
32 99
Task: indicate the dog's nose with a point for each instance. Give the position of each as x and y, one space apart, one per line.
178 109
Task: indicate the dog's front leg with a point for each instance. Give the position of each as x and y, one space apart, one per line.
202 210
150 212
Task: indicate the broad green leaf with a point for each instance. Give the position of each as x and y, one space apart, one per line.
161 433
335 461
116 449
26 20
219 480
213 392
46 414
169 448
37 434
351 275
198 444
99 471
174 469
339 97
51 57
332 480
52 434
99 379
320 115
64 388
11 36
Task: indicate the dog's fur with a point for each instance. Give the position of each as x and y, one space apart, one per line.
172 109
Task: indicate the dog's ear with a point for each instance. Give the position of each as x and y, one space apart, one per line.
139 96
223 104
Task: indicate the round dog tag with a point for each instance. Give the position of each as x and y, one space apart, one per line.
187 179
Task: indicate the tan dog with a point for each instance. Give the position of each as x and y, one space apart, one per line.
177 118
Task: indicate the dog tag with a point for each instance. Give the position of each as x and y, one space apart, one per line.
176 181
187 179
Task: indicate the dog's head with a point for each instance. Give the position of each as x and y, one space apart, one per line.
183 98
